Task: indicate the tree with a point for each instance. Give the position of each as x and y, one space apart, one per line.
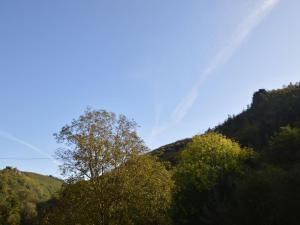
110 180
204 178
267 197
74 205
138 193
97 142
284 147
144 192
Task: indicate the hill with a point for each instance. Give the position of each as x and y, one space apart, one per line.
20 192
253 127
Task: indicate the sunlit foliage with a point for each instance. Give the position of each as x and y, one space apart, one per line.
205 177
110 179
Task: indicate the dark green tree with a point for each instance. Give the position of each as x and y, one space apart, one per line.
284 147
267 197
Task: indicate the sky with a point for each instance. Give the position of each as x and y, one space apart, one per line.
176 67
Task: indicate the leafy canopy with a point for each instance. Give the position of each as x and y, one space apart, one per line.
204 177
284 147
110 180
97 142
210 156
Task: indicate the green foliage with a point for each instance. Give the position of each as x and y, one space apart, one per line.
213 180
97 142
171 152
144 187
20 192
284 147
136 193
253 127
109 178
206 170
267 197
269 111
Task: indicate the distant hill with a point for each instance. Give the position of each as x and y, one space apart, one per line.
20 192
253 127
170 152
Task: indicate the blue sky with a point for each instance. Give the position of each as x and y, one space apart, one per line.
176 67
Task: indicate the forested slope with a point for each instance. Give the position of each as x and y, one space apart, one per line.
253 127
245 171
20 192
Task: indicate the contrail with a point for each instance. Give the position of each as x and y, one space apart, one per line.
11 137
223 55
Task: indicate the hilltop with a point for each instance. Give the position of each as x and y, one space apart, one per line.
253 127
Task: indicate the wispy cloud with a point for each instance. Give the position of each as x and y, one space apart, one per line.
13 138
263 8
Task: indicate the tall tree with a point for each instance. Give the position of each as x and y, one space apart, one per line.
96 143
112 182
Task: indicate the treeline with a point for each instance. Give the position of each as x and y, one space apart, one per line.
246 171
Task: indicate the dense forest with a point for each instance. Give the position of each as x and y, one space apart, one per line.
245 171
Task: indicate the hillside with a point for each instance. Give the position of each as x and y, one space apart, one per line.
219 187
253 127
20 192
